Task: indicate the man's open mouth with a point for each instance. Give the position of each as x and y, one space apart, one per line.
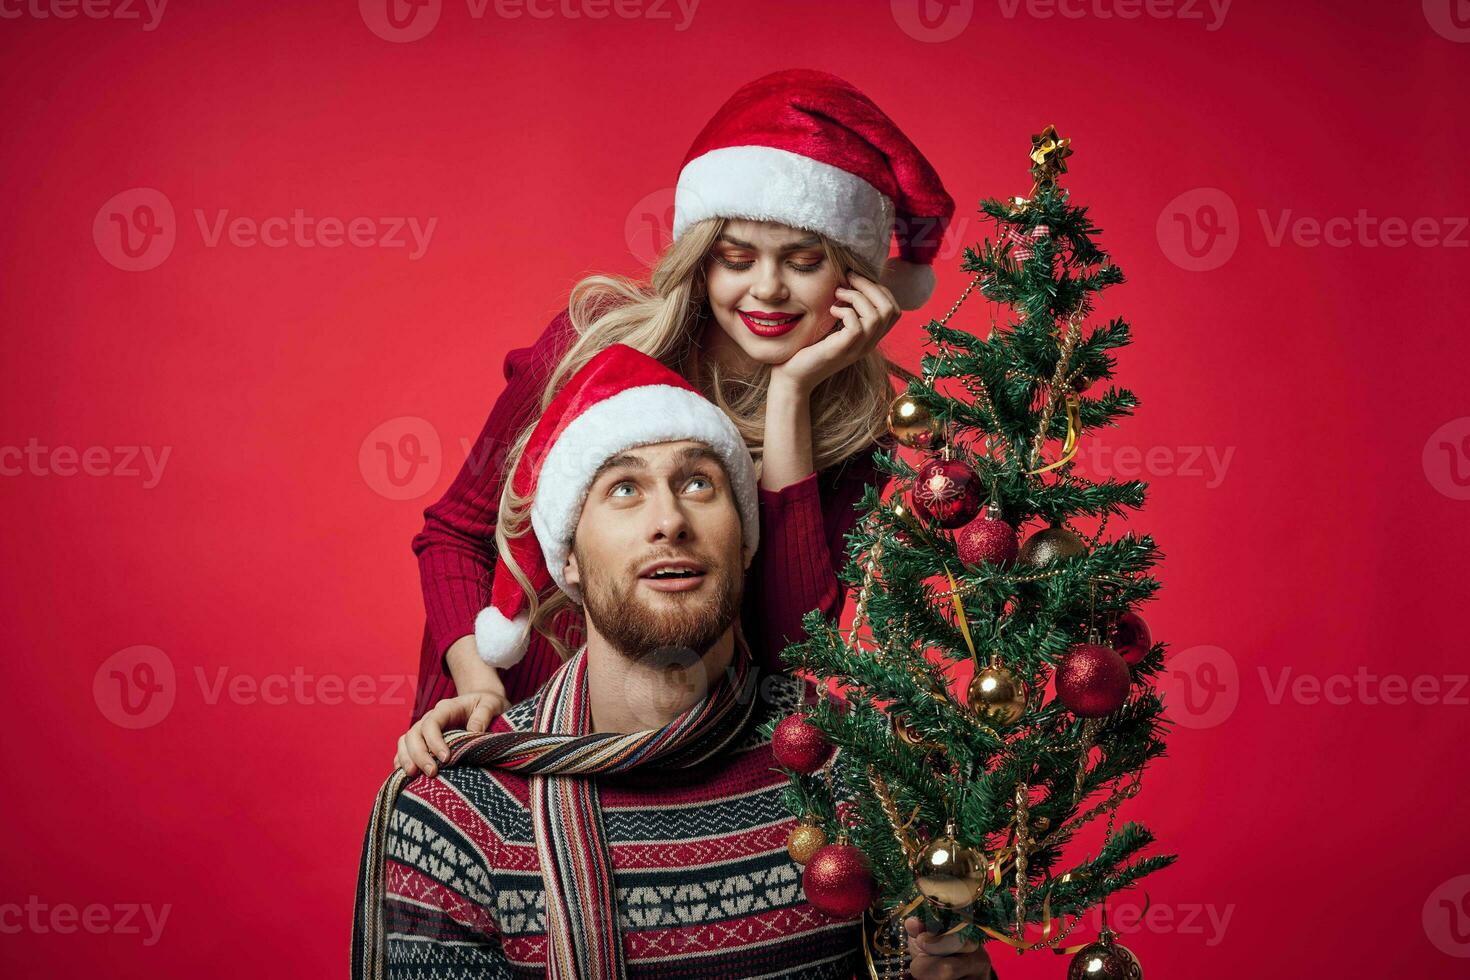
674 576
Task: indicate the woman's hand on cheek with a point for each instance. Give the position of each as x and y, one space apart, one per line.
871 311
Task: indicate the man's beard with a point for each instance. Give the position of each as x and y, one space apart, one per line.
688 623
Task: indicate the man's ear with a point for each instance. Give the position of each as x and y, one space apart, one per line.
570 572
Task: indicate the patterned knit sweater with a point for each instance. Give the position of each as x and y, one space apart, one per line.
705 886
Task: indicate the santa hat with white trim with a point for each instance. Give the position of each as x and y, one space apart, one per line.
620 399
804 148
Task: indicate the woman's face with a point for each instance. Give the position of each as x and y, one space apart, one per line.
760 271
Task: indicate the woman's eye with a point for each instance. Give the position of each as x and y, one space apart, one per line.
741 266
731 263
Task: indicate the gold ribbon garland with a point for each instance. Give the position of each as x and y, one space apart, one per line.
959 610
1069 444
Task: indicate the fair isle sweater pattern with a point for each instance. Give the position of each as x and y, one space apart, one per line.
705 887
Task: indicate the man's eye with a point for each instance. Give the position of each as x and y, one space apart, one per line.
619 486
701 479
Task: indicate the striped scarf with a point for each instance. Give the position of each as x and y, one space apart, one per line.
583 939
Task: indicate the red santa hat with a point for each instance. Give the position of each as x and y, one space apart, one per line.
620 399
807 149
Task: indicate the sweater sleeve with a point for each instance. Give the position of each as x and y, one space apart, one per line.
456 547
803 546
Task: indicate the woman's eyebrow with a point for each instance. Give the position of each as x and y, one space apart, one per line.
809 241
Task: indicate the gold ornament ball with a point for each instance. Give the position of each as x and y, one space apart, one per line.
1105 959
1049 545
806 839
913 424
996 693
948 874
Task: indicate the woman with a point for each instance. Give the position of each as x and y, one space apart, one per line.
771 299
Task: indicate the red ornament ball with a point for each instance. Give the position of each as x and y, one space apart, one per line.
838 881
798 744
1093 680
1132 638
946 492
988 539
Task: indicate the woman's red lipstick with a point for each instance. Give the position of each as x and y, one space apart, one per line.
785 322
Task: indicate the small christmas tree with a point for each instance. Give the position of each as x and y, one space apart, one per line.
960 801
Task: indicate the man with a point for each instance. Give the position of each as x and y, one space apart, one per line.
626 820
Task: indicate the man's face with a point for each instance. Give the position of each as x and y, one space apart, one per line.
665 506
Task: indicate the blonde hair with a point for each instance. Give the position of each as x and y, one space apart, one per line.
665 319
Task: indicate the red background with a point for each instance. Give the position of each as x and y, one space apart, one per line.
1332 543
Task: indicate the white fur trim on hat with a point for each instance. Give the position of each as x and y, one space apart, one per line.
501 642
912 283
633 417
762 183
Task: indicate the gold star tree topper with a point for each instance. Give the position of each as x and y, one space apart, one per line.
1049 155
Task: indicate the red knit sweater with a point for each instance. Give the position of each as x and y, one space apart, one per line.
794 571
